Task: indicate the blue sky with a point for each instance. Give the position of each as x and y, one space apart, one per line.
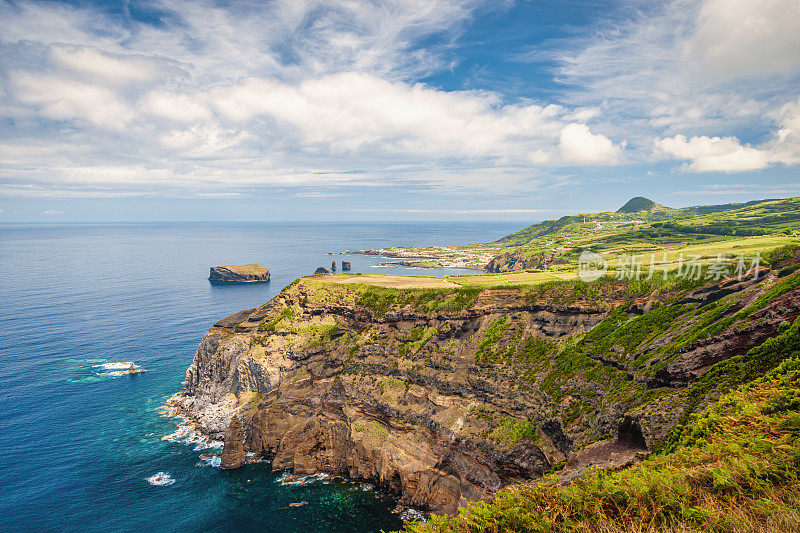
393 110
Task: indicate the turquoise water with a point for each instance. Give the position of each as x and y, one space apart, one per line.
79 447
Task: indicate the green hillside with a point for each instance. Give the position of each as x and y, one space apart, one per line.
718 228
639 203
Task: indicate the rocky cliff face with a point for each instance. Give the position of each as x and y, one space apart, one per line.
239 273
515 261
444 396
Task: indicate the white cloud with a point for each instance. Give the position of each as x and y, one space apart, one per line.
727 154
714 154
702 67
352 112
254 94
578 144
175 107
115 69
62 99
786 144
735 38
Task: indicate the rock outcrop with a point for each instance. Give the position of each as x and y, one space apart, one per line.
445 396
321 270
345 265
233 446
516 261
253 272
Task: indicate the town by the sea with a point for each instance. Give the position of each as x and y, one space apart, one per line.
84 444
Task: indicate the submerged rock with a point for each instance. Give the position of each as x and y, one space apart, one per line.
253 272
233 448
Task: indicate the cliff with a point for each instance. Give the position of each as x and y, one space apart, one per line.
446 395
239 273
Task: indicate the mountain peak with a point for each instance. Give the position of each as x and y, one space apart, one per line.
639 203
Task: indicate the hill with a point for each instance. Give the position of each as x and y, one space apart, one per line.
553 242
639 203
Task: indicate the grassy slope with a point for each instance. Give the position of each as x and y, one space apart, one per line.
705 231
732 467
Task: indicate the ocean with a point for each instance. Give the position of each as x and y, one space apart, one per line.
80 446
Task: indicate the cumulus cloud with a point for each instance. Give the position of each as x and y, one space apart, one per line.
786 144
261 94
52 97
301 93
728 154
579 145
714 154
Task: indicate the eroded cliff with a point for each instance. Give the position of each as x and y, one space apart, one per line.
446 395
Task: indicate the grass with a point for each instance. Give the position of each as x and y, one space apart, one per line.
734 467
510 431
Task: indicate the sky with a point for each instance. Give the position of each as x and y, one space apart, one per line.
407 110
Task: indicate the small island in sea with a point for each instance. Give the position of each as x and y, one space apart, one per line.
252 273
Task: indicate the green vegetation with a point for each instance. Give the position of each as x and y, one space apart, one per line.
510 431
488 348
380 300
740 369
642 228
734 467
418 338
287 314
373 432
639 203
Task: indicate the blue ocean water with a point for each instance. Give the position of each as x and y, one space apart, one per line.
78 447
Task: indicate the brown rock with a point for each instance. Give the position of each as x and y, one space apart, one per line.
232 448
239 273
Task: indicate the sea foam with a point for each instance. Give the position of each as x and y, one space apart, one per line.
160 479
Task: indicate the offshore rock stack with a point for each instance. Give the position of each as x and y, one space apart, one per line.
233 447
345 265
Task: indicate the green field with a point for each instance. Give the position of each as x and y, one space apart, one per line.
705 231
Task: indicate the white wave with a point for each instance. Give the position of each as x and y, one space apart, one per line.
412 514
160 479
